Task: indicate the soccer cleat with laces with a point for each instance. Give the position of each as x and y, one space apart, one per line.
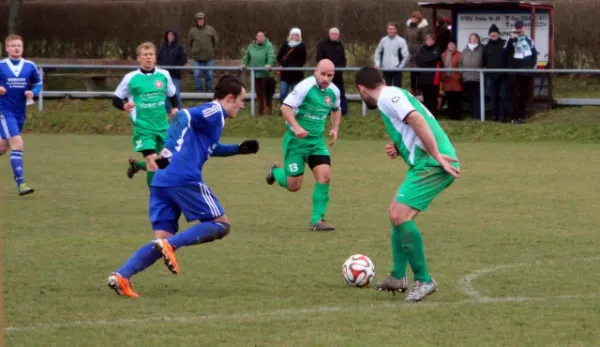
24 189
393 285
168 253
132 169
121 285
421 290
270 177
321 226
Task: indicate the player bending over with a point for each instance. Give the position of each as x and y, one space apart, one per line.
433 166
193 137
146 90
19 83
305 111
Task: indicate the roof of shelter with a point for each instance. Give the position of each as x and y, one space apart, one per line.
484 4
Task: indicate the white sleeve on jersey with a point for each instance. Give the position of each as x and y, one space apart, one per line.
296 97
395 104
171 90
122 90
336 91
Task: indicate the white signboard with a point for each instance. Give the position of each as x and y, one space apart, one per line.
480 23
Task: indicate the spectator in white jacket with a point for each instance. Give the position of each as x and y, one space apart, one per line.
392 53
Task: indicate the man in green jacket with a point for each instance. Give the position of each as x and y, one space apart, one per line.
203 41
260 53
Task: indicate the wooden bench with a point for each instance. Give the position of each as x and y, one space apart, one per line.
95 80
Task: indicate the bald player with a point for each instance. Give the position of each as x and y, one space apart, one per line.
305 111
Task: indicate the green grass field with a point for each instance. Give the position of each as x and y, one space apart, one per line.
513 245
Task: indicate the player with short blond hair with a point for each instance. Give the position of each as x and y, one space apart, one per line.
145 91
19 83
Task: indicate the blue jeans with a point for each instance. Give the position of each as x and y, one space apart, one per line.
284 89
177 83
208 76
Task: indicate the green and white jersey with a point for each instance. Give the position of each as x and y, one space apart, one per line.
312 105
148 91
394 105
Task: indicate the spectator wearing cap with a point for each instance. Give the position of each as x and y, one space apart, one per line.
203 41
392 53
415 31
429 57
494 57
522 54
291 54
452 81
333 49
472 58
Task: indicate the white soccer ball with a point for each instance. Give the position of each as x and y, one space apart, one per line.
358 270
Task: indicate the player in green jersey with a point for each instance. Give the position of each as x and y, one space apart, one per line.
433 166
146 90
306 110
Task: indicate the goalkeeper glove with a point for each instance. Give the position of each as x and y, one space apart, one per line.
248 147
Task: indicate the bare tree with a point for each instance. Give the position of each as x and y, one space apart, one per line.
14 16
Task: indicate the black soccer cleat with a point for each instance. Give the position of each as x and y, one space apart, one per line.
132 169
393 285
270 177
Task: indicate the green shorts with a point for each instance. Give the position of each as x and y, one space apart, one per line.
297 151
146 139
422 185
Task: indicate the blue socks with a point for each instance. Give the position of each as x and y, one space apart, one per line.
16 161
199 233
139 261
146 255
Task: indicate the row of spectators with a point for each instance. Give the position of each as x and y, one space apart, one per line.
417 47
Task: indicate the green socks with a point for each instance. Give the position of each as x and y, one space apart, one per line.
407 238
400 258
320 195
140 165
280 176
320 201
149 177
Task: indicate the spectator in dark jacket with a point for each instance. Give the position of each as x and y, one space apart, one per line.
172 53
291 54
443 33
429 82
497 83
333 49
522 54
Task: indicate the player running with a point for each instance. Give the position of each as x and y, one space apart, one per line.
433 166
146 90
19 83
305 111
193 137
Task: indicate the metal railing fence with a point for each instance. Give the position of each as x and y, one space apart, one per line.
252 71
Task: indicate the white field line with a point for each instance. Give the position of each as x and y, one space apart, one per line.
465 285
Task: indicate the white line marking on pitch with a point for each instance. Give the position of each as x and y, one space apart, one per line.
277 313
465 285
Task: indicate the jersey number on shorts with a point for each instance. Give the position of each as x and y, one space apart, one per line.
293 167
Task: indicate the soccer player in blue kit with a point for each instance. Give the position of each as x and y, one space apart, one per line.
177 186
19 82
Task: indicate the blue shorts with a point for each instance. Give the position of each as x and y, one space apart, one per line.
10 126
196 201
